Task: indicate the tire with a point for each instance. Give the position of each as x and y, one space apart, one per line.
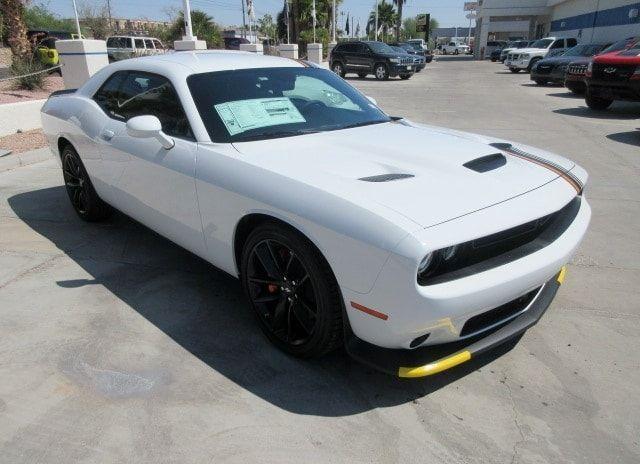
292 291
456 52
493 60
531 63
404 77
541 82
514 70
597 103
381 72
338 68
84 199
362 75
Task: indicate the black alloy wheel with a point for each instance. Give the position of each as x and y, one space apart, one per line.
597 103
338 69
381 72
292 292
84 199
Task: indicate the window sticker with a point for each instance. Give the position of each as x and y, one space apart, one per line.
243 115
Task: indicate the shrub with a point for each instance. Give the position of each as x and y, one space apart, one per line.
28 65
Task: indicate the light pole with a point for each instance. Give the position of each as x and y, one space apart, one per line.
376 20
75 12
333 11
188 29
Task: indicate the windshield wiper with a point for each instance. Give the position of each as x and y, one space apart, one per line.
360 124
275 135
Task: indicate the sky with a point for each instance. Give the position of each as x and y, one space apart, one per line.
229 12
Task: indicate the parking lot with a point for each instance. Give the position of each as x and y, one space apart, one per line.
117 346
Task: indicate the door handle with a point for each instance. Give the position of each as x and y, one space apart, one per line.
107 135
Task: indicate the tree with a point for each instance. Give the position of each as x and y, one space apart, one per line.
40 17
400 3
15 27
95 18
266 26
204 27
409 28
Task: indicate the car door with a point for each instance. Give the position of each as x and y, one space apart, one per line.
154 185
556 48
362 57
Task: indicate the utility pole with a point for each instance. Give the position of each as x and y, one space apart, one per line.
109 13
376 20
333 32
244 23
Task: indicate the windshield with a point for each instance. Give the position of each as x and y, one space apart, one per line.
380 47
582 50
619 45
264 103
542 43
398 49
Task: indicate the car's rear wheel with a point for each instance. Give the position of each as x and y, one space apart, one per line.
597 103
292 291
338 68
84 199
532 63
381 72
362 75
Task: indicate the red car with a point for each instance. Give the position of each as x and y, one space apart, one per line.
614 76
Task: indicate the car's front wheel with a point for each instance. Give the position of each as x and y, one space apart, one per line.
84 199
597 103
292 291
338 68
381 72
514 70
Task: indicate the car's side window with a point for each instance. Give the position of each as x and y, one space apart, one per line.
148 43
571 43
140 43
558 44
127 94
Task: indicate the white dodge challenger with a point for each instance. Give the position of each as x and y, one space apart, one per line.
415 247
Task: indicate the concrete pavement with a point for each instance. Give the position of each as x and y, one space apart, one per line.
117 346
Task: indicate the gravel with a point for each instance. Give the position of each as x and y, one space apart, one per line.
23 141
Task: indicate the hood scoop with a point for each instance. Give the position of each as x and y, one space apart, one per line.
385 177
486 163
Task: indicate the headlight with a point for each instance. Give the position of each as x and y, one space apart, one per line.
394 60
525 56
425 263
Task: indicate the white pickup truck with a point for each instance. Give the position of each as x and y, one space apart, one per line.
455 48
525 58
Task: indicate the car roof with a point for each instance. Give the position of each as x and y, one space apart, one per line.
194 62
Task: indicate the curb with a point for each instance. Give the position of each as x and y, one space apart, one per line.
9 162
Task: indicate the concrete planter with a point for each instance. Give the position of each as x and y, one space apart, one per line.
20 116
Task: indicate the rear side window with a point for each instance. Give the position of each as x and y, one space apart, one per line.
139 43
158 44
148 43
558 44
127 94
572 42
119 42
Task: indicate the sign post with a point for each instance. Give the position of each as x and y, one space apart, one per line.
422 25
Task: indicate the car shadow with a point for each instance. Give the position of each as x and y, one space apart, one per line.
630 138
617 111
570 95
204 310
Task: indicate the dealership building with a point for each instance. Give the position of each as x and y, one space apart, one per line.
587 20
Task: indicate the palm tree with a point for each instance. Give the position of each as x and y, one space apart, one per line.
16 30
386 18
399 17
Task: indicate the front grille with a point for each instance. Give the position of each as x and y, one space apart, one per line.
498 315
613 72
577 69
406 60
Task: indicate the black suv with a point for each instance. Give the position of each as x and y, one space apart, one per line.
364 58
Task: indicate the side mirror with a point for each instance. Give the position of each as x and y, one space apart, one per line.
372 100
146 127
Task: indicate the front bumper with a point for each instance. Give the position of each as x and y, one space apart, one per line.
398 69
556 75
518 64
625 90
433 359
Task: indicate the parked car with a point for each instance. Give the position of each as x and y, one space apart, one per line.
495 54
492 46
554 69
514 46
46 52
364 58
418 45
233 43
288 178
614 76
455 48
418 58
575 79
525 58
124 47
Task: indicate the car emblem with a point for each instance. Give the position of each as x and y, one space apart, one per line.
610 70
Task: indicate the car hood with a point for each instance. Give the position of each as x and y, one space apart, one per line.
437 186
559 60
532 50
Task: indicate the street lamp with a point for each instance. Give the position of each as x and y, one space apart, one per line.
188 28
75 11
